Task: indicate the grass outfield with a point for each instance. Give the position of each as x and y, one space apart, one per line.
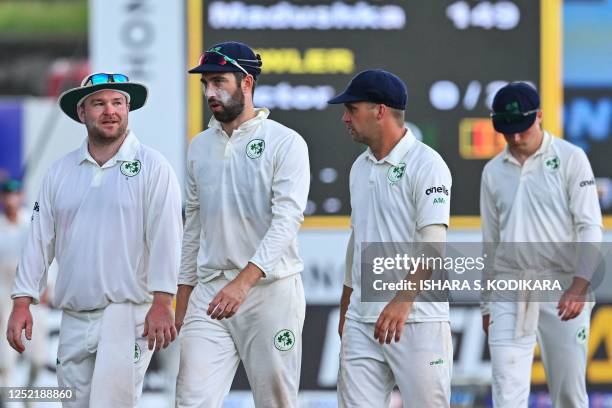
27 18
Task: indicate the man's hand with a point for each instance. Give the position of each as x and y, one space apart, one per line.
183 294
390 323
573 299
485 323
229 299
20 319
159 324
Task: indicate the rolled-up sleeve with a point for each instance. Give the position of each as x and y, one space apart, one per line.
164 229
39 249
290 187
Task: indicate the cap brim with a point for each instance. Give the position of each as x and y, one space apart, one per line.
345 98
511 128
69 99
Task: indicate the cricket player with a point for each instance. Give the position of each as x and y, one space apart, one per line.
14 227
400 192
240 294
539 189
14 223
110 214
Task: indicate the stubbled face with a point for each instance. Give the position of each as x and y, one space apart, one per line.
360 120
224 95
105 114
526 142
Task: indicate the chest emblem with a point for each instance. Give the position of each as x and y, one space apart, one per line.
284 340
552 163
395 173
130 169
255 148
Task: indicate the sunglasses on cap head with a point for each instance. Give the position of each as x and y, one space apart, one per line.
218 58
103 78
511 117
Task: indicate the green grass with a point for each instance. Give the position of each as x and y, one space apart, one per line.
27 18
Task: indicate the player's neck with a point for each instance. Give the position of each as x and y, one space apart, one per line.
103 152
247 114
521 154
386 141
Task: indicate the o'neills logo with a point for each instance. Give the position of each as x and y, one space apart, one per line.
587 183
439 189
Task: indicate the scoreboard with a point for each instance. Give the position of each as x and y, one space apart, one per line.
453 56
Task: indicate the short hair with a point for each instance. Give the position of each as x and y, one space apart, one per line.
239 76
398 115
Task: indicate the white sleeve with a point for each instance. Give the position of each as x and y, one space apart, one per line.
191 236
290 185
163 229
582 192
350 253
432 192
586 213
432 233
489 219
433 240
589 233
39 249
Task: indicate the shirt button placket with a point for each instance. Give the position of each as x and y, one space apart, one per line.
228 149
97 178
372 176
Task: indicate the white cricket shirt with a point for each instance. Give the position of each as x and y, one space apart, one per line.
552 197
115 230
392 199
246 195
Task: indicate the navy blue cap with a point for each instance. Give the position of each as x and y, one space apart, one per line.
223 57
515 108
11 186
377 86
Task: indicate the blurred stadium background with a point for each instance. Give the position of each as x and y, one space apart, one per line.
453 55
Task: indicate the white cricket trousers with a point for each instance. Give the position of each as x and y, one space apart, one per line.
564 354
76 354
420 364
265 333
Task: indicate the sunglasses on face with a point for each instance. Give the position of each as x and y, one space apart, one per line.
103 78
511 117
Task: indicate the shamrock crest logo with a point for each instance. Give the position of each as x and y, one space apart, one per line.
255 148
130 169
284 340
581 335
552 163
137 352
395 173
513 107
